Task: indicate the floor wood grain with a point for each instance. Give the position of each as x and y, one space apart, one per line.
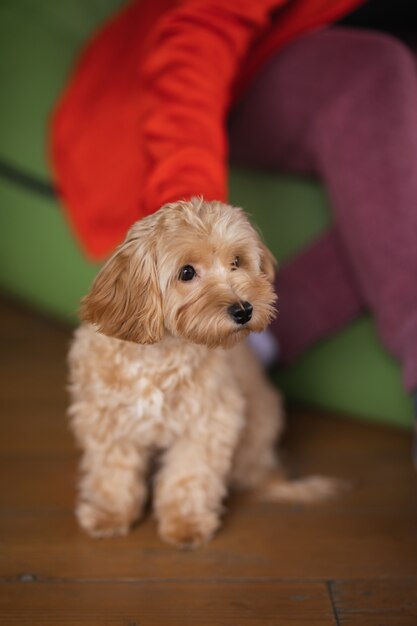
350 562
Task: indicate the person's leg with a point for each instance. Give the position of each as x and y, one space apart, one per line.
342 104
317 296
372 134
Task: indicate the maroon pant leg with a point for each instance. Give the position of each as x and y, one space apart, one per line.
341 104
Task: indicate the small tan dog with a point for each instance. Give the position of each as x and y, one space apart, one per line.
150 376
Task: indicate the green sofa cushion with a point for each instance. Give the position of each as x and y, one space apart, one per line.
39 40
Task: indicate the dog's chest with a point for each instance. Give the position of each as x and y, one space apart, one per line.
172 395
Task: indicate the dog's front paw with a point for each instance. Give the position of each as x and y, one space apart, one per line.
98 522
187 530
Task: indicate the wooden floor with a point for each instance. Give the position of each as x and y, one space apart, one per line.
352 562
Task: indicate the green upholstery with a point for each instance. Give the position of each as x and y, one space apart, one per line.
38 41
40 262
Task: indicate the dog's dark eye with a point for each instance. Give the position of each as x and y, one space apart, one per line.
187 273
235 263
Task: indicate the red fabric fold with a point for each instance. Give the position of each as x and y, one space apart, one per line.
142 121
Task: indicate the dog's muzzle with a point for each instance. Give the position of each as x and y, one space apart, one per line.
241 312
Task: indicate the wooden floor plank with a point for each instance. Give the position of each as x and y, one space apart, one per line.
255 541
179 604
390 602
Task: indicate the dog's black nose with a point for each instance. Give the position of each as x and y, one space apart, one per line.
241 312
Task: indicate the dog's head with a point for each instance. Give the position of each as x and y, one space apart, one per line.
197 270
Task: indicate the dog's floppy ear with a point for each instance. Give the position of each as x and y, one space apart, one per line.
124 300
268 262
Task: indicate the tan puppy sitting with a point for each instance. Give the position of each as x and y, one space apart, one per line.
159 369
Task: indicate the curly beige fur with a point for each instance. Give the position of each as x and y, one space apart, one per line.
159 371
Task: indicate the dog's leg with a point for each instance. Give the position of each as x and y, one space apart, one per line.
256 454
191 485
112 490
256 465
